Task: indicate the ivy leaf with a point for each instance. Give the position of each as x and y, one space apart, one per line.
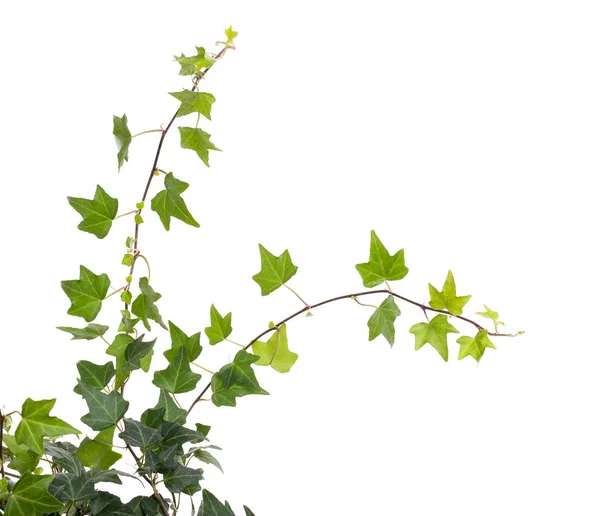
98 213
144 307
165 410
174 434
182 477
382 320
140 435
197 140
117 350
94 375
248 511
177 377
230 34
24 460
64 456
447 298
235 380
220 327
474 347
122 137
107 504
180 339
194 102
211 506
207 458
381 265
86 293
490 314
36 423
97 453
275 351
146 506
169 203
138 355
105 409
30 496
127 323
274 271
193 64
72 488
435 333
90 332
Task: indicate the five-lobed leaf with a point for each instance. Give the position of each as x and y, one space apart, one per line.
177 377
122 137
30 496
143 306
382 320
90 332
194 102
169 203
235 380
196 139
381 265
220 327
275 351
434 332
474 346
98 213
105 410
86 293
274 270
447 298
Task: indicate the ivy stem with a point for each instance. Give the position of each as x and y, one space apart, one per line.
364 304
204 368
2 418
139 255
148 131
234 342
147 479
296 294
125 214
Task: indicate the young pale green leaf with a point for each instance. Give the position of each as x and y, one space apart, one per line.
235 380
180 339
435 333
169 203
36 423
138 355
144 306
64 455
211 506
97 453
474 347
230 34
490 314
94 375
177 377
274 270
30 496
197 140
98 213
24 459
104 409
122 137
166 410
194 102
220 327
381 265
86 293
382 320
275 351
192 65
447 298
90 332
140 435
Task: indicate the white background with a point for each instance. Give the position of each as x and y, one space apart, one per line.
465 132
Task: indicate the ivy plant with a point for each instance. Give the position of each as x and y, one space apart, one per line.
43 471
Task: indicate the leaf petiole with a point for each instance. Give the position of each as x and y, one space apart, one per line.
296 294
148 131
203 368
125 214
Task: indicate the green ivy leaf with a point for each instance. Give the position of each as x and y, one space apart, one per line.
104 409
64 456
274 271
447 298
490 314
138 354
177 377
72 488
96 376
24 459
194 102
117 350
230 34
86 293
90 332
181 477
211 506
97 453
193 64
127 323
122 137
166 410
381 265
107 504
144 306
474 347
235 380
36 423
435 333
197 140
220 327
248 511
169 203
382 320
98 213
275 351
140 435
180 339
208 458
174 434
30 496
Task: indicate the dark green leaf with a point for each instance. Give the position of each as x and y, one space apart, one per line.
180 477
207 458
111 476
97 453
165 410
275 351
197 140
248 511
30 496
203 429
127 323
95 375
435 333
176 434
381 265
180 339
146 506
194 102
144 306
117 349
274 271
64 456
220 327
104 409
169 203
447 298
211 506
138 354
235 380
122 137
140 435
98 213
177 377
106 504
382 320
86 293
72 488
193 64
474 347
90 332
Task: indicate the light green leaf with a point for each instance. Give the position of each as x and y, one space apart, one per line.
435 333
220 327
104 409
193 64
122 137
30 496
177 377
24 459
274 271
235 380
490 314
86 293
207 458
97 453
94 375
169 203
275 351
180 339
90 332
381 265
194 102
474 347
144 306
382 320
230 34
98 213
197 140
36 423
447 298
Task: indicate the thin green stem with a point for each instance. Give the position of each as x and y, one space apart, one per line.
364 304
115 292
234 342
125 214
148 131
102 337
204 368
139 255
296 294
